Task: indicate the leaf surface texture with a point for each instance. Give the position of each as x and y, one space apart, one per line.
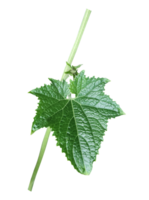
80 123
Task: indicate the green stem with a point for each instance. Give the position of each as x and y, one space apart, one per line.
64 77
42 150
77 42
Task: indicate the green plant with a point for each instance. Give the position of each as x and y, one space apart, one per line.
78 123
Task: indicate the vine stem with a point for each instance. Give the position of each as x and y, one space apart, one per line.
77 42
42 150
64 77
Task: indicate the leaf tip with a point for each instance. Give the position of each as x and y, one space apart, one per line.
27 92
110 80
31 133
125 113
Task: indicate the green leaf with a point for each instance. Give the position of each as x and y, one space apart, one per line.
78 124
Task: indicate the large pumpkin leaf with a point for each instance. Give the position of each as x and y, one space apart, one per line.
78 123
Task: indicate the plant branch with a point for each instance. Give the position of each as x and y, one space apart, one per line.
77 42
42 150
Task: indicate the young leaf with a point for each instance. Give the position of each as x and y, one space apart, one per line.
73 71
78 124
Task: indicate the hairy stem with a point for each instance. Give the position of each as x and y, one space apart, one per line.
42 150
77 42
